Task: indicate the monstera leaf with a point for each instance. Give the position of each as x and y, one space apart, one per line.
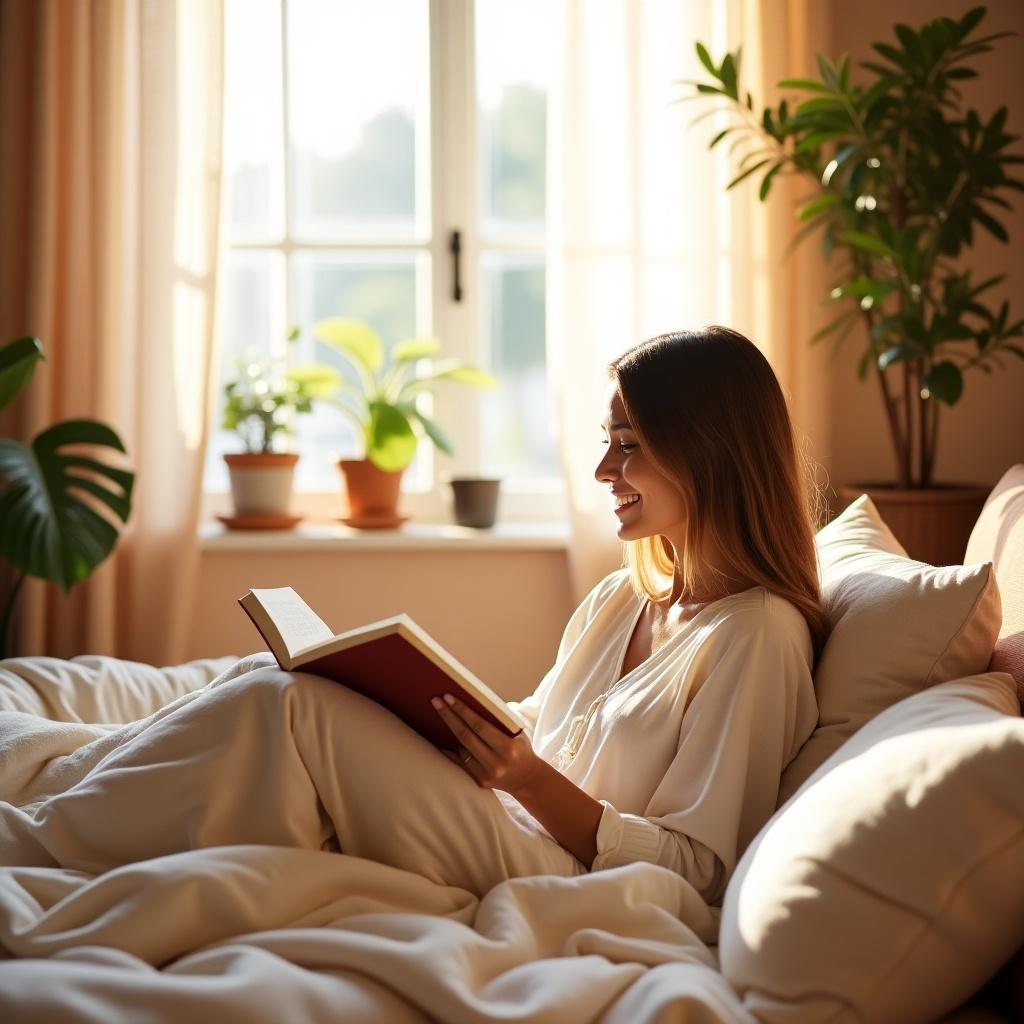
57 503
50 525
17 361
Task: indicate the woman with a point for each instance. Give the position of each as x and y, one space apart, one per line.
681 689
683 683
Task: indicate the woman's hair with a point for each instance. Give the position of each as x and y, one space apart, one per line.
711 416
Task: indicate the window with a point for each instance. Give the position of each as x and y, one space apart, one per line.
359 135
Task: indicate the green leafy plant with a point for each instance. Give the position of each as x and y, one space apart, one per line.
56 503
901 179
383 403
261 402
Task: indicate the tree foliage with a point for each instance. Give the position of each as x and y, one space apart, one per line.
903 180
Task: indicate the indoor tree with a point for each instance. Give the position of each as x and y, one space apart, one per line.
901 179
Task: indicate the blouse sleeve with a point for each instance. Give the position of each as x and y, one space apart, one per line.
578 622
753 710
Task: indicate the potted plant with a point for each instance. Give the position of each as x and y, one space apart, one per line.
901 179
381 403
59 507
260 404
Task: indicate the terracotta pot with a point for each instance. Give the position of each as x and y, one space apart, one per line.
372 492
932 523
261 485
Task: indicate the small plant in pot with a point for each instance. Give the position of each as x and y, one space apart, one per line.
260 405
382 404
901 179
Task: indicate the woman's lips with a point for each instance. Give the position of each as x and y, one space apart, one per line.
619 509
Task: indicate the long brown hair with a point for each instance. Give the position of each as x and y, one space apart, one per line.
711 416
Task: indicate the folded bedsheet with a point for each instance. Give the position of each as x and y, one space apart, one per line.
259 932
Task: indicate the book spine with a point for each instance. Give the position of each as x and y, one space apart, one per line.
266 639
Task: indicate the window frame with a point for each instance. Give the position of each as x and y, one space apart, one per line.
453 161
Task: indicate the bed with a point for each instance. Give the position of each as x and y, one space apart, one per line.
889 885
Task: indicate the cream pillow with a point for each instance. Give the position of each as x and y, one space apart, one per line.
897 627
892 887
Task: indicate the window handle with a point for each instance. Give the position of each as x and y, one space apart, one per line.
455 248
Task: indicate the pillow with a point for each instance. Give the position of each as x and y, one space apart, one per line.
999 535
890 888
897 626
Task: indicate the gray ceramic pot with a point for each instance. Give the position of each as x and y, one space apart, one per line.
475 500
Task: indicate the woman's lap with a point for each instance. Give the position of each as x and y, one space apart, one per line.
410 806
286 759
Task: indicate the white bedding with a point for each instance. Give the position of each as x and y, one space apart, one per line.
280 934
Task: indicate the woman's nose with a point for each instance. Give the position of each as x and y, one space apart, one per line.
606 468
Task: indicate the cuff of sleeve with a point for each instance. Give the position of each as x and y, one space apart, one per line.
623 839
516 707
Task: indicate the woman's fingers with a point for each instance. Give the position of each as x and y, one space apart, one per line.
463 730
489 733
494 760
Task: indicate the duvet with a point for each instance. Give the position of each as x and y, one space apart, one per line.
265 920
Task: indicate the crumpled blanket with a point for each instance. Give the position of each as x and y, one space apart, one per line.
254 932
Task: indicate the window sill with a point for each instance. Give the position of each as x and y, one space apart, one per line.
412 536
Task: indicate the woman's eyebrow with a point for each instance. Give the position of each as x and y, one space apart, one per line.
619 425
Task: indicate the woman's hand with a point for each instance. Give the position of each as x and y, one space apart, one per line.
494 759
498 761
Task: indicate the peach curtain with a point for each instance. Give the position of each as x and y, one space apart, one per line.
644 238
110 133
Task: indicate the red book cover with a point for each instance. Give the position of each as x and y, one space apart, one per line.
398 676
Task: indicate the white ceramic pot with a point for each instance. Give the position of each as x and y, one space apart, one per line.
261 485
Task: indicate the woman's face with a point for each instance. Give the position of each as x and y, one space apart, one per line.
644 500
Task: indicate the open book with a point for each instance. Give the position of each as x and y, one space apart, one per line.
393 661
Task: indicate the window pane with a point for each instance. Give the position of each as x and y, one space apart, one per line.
358 88
251 327
378 289
518 438
252 126
513 60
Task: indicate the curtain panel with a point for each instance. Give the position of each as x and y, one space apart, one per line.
644 238
110 152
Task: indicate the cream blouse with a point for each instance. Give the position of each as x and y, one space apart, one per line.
686 750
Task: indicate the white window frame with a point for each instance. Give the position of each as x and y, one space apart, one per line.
453 160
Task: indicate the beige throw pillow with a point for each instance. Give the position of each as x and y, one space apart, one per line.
897 627
892 886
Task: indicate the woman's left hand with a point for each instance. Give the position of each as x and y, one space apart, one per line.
494 759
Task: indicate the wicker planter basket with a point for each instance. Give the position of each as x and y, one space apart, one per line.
932 523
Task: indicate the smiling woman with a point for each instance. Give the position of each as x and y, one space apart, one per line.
703 449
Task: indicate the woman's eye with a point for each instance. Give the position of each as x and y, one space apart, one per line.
624 447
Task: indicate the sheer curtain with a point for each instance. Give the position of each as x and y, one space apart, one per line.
644 238
110 132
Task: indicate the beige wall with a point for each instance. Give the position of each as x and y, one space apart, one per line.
984 432
501 613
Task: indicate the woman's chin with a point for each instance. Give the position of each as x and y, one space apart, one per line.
630 530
